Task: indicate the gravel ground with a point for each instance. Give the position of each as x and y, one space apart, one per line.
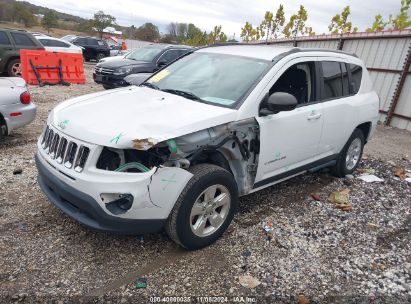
314 252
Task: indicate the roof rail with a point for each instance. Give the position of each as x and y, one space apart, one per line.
325 50
12 29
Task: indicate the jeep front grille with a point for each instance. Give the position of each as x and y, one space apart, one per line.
104 71
64 151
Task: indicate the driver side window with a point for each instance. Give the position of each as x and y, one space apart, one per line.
299 81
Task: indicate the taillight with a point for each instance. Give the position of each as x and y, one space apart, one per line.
25 98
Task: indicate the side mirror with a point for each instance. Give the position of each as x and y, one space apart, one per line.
162 63
279 102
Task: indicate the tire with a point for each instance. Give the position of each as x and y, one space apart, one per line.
346 162
181 223
14 68
99 57
3 129
107 87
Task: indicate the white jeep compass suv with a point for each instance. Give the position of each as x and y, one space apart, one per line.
179 149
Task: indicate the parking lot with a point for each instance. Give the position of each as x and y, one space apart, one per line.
314 251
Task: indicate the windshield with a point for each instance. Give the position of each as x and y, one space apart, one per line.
217 79
144 54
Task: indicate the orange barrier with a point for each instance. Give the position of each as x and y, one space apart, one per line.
72 67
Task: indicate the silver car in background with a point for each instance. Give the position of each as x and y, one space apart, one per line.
16 108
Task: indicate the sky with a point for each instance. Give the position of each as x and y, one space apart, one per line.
230 14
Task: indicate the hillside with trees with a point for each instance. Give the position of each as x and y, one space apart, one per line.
273 25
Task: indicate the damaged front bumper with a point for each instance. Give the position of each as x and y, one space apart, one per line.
86 210
123 202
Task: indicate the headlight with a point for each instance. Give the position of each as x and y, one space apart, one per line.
122 71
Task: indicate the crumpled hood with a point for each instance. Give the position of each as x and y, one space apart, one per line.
136 117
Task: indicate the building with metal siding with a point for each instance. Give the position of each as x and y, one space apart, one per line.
387 55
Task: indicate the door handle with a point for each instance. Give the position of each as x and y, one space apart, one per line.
314 116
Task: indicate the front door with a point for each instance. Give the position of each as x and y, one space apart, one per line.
289 140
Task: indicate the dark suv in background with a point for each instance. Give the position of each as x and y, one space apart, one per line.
11 42
93 48
147 59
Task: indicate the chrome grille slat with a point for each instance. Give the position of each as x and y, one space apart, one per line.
81 158
49 141
54 145
70 155
64 151
45 134
61 150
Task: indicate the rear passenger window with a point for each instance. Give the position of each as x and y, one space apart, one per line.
333 85
22 39
4 39
356 76
345 80
81 41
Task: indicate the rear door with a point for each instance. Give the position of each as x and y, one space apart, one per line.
6 50
338 106
23 41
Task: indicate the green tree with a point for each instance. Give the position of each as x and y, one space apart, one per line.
216 35
340 24
49 21
148 32
247 32
101 21
296 25
278 22
20 14
378 25
402 20
199 39
267 25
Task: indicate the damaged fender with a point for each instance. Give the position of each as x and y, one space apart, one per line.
166 185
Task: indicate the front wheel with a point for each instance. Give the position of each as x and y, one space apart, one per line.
351 154
205 208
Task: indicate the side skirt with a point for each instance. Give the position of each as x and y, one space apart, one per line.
312 167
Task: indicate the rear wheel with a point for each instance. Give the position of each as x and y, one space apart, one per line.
205 208
351 154
14 68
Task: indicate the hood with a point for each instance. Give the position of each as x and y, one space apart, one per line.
12 82
123 62
135 117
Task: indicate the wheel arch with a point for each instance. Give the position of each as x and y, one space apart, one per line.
366 129
3 123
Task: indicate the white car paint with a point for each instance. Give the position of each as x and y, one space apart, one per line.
10 90
52 44
157 116
138 118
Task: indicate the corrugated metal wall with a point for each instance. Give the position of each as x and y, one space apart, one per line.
385 54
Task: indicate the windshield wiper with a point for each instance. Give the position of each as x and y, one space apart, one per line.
185 94
150 85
